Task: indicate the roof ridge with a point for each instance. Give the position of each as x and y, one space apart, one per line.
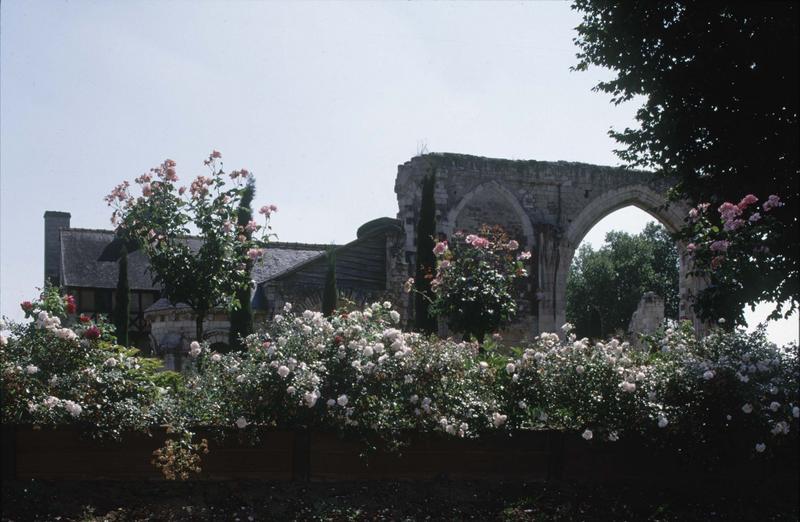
79 229
284 244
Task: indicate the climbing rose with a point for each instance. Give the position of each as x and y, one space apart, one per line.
440 248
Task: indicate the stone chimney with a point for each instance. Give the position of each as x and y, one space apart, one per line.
53 223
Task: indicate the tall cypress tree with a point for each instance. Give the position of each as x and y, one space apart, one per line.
330 295
242 317
123 304
426 261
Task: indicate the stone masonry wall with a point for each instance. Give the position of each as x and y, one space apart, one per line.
549 206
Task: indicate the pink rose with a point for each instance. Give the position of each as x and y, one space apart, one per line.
720 246
512 245
772 201
255 253
440 248
747 201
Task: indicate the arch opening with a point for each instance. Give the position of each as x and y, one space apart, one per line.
624 275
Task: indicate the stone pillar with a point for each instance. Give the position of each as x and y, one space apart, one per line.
555 256
689 286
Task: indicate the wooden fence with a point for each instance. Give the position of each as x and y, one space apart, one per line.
67 453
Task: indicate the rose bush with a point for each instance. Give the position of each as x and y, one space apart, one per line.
474 286
727 391
730 393
742 241
355 372
62 369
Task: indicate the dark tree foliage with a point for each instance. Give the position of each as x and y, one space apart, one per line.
242 317
330 294
604 286
123 303
426 260
720 114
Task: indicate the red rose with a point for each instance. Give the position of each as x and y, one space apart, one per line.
92 333
26 305
84 318
338 340
70 300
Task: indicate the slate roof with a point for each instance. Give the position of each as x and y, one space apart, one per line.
81 249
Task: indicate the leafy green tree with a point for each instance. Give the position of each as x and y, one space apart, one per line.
604 286
424 321
205 270
242 317
719 84
123 304
330 295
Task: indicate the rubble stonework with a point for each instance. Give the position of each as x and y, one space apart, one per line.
547 206
649 315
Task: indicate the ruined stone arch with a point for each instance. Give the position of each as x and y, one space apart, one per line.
669 214
449 225
554 202
654 203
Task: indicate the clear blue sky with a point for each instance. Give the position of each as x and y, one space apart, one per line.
321 100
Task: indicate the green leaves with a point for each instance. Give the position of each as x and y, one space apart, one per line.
704 120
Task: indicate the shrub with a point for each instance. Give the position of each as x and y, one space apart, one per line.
59 369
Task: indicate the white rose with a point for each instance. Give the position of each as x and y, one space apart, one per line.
31 369
760 447
747 408
662 422
216 357
241 423
342 400
510 368
283 371
74 409
587 434
580 369
498 419
708 375
395 316
310 398
774 406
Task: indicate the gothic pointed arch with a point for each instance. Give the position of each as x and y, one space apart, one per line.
493 204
